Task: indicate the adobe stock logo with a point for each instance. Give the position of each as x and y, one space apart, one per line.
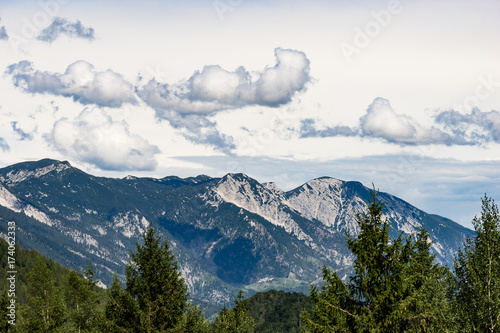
364 36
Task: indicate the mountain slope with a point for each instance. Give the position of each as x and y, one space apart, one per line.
227 233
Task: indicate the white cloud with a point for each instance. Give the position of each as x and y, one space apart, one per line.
61 26
94 138
80 81
381 121
476 126
215 89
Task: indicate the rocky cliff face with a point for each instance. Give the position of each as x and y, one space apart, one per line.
227 233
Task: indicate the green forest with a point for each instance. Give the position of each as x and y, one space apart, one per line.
396 286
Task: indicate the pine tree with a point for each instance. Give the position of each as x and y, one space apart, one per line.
46 312
153 278
477 271
392 281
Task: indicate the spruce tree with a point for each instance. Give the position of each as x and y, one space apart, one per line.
153 278
424 303
477 271
392 281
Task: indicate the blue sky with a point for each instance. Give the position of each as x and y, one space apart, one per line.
404 94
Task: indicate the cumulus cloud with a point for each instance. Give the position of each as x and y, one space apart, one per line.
189 103
61 26
81 81
93 137
215 89
381 121
3 145
476 126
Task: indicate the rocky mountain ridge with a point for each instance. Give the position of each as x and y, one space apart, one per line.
227 233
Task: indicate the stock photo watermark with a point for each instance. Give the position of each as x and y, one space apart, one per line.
32 25
252 145
407 167
222 7
484 90
11 273
363 36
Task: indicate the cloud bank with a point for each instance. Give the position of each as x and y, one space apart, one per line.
61 26
81 81
381 121
94 138
215 89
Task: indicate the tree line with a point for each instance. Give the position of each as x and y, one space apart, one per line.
396 286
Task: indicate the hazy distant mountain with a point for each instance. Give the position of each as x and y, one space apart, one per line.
227 233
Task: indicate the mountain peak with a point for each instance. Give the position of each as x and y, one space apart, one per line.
321 184
20 172
237 176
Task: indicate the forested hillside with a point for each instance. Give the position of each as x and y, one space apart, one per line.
47 295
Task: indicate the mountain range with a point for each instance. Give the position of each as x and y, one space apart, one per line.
227 233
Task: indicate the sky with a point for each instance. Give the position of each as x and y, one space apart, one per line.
404 94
